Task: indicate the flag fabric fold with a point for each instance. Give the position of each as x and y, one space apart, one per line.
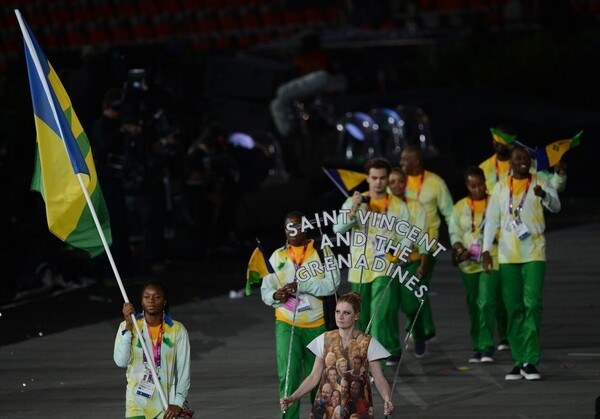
62 152
502 137
258 267
345 180
550 155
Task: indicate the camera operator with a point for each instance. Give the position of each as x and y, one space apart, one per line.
149 147
144 169
107 148
213 176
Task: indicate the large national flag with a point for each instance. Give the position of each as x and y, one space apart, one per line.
345 180
258 267
550 155
62 152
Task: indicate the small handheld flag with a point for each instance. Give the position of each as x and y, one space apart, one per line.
550 155
508 140
62 153
258 267
502 137
345 180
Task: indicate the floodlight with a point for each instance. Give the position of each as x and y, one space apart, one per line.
239 139
357 136
391 131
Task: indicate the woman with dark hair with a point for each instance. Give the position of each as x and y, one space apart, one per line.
467 224
339 341
171 351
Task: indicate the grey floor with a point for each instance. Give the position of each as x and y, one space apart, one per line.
71 374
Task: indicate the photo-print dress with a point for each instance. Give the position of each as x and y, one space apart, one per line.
345 387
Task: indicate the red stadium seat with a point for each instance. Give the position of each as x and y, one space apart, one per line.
98 33
76 35
141 28
162 26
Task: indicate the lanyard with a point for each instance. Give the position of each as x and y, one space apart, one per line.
156 347
496 168
298 264
482 223
510 198
387 204
420 184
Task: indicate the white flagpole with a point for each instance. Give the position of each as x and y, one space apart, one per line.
42 77
421 301
289 359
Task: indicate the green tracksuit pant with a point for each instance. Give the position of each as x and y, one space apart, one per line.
501 319
301 362
409 304
427 317
522 288
384 326
482 301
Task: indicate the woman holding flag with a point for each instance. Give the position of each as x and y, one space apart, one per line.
299 316
171 352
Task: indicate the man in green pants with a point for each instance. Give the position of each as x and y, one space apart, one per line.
417 265
294 291
515 212
496 169
361 214
430 190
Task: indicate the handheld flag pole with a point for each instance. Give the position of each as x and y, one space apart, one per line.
289 358
336 183
345 180
332 280
421 301
47 101
378 306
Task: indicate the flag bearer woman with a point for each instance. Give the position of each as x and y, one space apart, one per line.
171 351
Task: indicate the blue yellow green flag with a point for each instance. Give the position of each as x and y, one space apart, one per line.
502 137
345 180
62 152
258 267
550 155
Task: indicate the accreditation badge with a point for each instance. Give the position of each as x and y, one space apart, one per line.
520 229
303 303
298 303
146 387
475 250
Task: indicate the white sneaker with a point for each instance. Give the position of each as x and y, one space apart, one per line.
530 372
475 358
503 346
514 374
486 358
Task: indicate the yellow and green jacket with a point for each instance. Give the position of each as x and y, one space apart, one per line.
432 192
396 210
174 372
417 217
310 289
498 219
461 230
